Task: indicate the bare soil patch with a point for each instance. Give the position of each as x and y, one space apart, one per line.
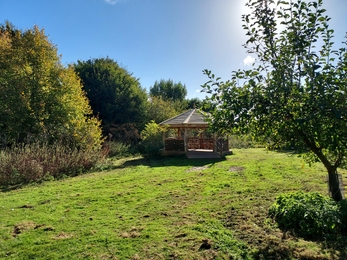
197 168
23 226
236 169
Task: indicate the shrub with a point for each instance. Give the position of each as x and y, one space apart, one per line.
36 162
343 209
117 149
152 141
309 215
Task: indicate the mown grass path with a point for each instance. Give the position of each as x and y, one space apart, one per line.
170 208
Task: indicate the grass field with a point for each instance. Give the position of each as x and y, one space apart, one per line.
169 208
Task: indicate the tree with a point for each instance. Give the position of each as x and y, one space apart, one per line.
168 90
152 139
159 110
297 93
193 103
116 97
39 98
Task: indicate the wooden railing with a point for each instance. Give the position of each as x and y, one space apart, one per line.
177 145
200 143
174 145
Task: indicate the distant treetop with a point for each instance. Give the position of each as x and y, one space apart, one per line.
168 90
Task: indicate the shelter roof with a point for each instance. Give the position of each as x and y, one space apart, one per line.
188 119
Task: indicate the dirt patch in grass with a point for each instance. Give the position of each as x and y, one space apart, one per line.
48 228
198 168
236 169
26 207
23 226
62 235
206 244
133 233
29 225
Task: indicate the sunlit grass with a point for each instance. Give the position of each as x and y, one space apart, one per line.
170 208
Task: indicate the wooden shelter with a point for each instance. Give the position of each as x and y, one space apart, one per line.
188 133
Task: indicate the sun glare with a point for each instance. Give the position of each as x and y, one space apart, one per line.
246 10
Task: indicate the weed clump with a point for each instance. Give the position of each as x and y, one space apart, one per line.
309 215
37 162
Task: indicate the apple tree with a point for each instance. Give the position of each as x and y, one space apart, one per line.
296 92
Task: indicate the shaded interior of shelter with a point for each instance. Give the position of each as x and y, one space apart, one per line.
188 133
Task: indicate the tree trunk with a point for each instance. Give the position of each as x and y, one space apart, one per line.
334 184
333 179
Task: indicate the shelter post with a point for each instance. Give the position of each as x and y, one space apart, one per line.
185 140
214 142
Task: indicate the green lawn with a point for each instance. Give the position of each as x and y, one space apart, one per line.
170 208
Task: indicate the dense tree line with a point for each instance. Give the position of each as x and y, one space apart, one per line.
168 90
80 104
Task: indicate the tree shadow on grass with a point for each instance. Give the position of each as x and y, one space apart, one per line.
287 151
11 187
335 246
271 251
336 250
164 161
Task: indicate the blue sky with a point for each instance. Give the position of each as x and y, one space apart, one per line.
153 39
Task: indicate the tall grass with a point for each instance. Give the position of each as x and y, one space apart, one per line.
242 141
36 162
